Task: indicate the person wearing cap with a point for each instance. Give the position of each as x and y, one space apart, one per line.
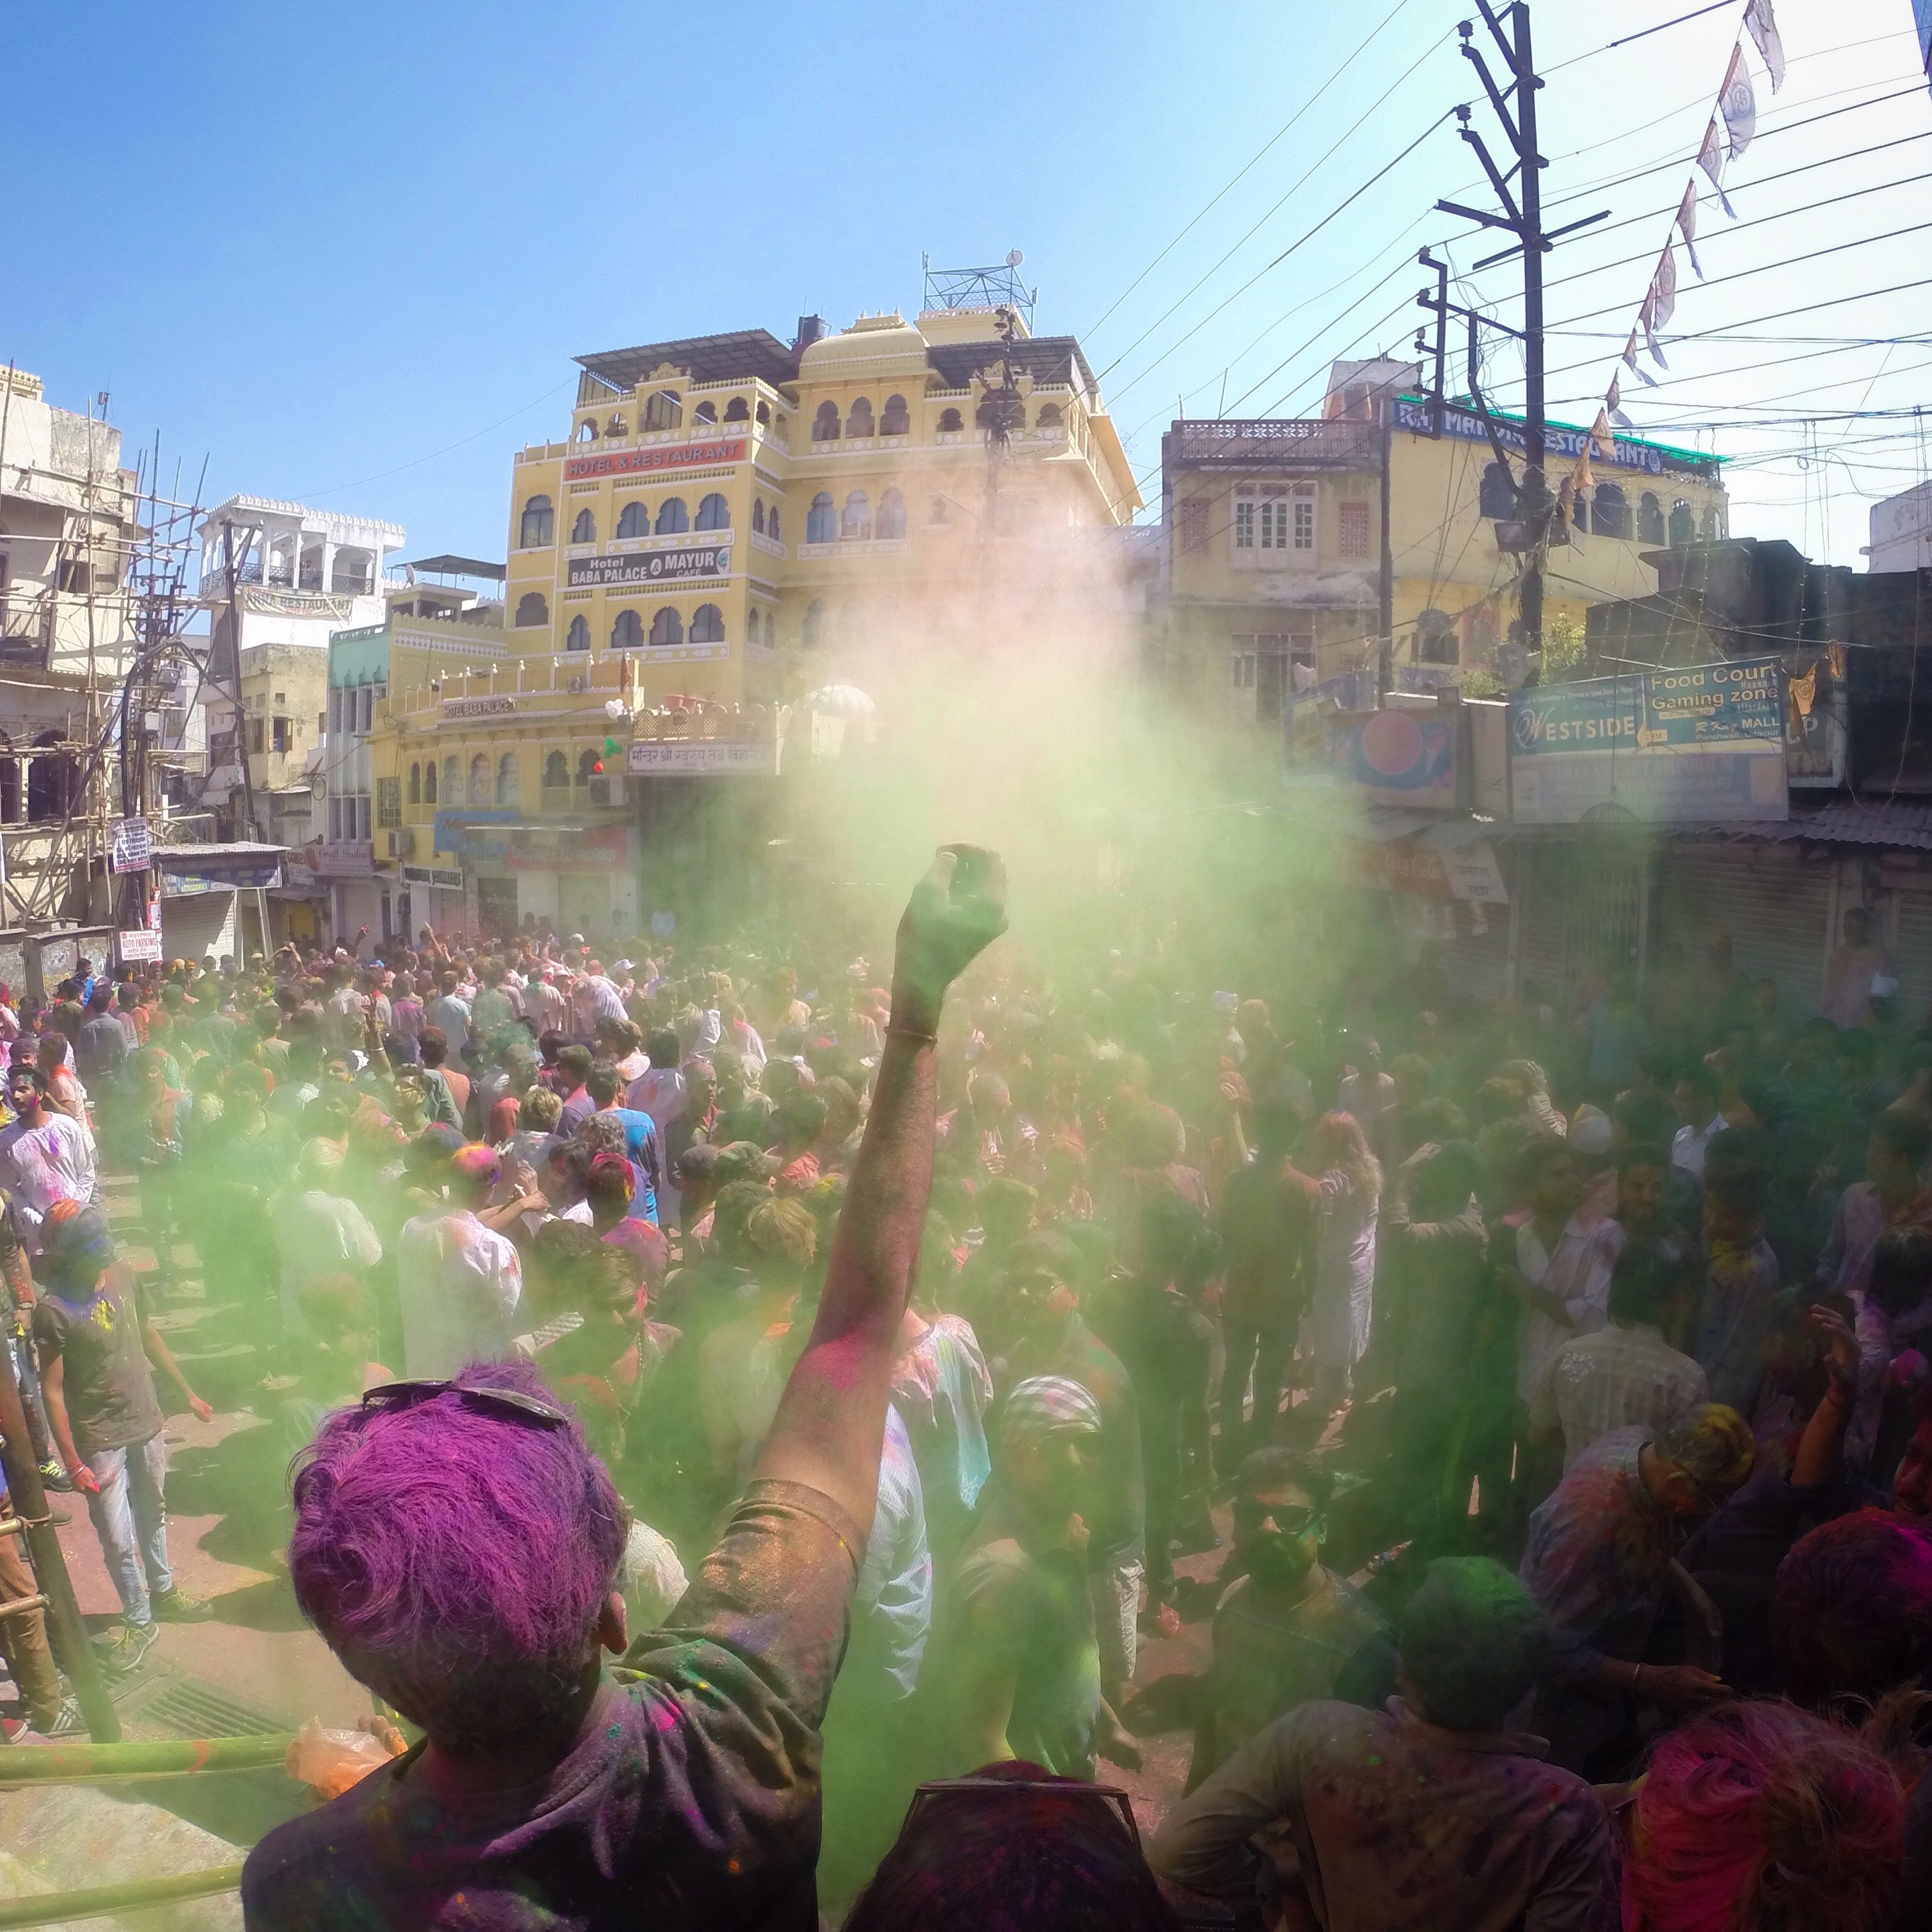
1013 1668
97 1350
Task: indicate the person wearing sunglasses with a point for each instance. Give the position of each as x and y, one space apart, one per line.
1290 1629
457 1546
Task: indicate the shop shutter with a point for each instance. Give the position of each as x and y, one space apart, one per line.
1912 958
1476 965
1580 912
1775 905
197 924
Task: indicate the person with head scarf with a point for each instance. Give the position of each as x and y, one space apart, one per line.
98 1352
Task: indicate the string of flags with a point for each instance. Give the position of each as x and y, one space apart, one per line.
1736 109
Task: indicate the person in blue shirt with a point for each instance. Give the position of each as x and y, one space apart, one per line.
643 1145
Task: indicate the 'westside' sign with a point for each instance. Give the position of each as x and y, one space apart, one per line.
659 456
656 566
1704 742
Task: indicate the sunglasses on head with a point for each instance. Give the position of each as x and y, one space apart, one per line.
511 1403
1110 1794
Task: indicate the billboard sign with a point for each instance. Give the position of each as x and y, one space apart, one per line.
1705 743
659 456
650 566
702 756
131 845
1398 757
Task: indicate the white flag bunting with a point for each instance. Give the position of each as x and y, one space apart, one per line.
1738 104
1763 25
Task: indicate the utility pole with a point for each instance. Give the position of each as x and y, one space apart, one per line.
229 566
1515 107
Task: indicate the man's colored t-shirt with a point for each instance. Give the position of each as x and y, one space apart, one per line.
691 1799
106 1381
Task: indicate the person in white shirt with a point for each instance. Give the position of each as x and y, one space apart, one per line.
319 1230
1695 1098
1564 1260
1626 1374
594 999
45 1156
460 1284
449 1011
659 1090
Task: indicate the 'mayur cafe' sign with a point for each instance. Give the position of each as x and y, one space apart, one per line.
656 566
659 456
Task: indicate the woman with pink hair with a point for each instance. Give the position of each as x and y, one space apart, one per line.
1760 1817
1345 1188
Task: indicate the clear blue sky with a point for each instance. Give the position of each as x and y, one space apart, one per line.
323 247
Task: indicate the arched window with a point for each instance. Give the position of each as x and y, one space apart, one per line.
706 412
633 520
751 627
429 782
578 638
556 772
506 778
588 760
584 530
1649 520
1496 495
1048 417
665 410
479 780
1683 524
772 529
1712 529
532 608
855 523
950 420
938 514
416 785
858 418
821 521
813 633
1609 514
707 625
765 413
892 515
736 410
673 516
713 513
537 526
587 431
627 632
758 516
667 626
452 782
896 419
825 424
616 426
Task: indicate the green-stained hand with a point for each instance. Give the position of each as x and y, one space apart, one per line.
955 912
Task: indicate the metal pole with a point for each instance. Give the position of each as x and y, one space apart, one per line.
43 1552
235 687
1385 648
1536 488
61 1908
166 1757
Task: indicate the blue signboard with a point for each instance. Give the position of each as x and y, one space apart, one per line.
1563 443
1704 742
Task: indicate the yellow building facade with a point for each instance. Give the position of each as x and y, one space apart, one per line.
731 522
1275 580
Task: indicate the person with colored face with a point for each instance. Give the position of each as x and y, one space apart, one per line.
1290 1629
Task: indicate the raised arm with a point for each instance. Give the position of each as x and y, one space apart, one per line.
832 1418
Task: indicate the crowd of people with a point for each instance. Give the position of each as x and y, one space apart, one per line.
744 1410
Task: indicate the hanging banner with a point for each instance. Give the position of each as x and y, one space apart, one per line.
1704 743
1687 224
1763 27
131 845
1398 757
1738 104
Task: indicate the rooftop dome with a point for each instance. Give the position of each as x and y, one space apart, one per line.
886 344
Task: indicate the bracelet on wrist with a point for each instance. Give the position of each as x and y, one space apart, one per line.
912 1032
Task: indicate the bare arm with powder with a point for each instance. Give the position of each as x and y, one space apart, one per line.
831 1419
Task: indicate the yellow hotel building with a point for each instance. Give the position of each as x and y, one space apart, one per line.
731 522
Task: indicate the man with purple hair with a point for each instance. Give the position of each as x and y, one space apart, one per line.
457 1546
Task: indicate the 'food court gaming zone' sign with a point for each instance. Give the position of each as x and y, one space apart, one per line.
1706 743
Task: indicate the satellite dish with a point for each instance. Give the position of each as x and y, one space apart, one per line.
1014 258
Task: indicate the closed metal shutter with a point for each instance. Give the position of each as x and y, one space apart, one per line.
1913 957
1476 965
1775 905
198 924
1582 897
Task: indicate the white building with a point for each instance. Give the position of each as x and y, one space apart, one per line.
1901 531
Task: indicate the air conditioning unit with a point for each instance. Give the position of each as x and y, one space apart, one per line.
402 843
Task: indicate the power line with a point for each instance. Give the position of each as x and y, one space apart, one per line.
1374 33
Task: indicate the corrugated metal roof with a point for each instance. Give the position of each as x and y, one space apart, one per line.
1844 821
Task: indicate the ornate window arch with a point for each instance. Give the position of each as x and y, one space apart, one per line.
950 420
556 771
633 520
584 530
714 513
538 525
627 632
533 607
825 424
507 789
855 521
673 516
891 521
415 783
896 419
578 638
707 625
858 418
479 779
429 782
821 521
666 626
